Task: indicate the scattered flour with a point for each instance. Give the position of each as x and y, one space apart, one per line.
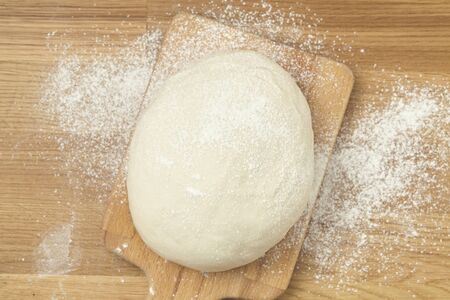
95 101
382 170
152 290
56 253
120 248
385 168
295 25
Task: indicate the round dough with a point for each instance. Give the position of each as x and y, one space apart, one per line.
221 163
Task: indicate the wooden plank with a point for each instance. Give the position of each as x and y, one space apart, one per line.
29 286
73 9
26 286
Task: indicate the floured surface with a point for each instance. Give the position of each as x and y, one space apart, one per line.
55 254
326 85
389 166
404 258
95 102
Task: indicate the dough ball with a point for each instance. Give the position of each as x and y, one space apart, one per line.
221 162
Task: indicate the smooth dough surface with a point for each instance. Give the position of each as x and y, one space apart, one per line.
221 162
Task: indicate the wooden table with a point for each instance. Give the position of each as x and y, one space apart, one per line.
413 35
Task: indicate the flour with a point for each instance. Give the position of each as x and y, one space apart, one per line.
95 102
383 168
294 25
56 254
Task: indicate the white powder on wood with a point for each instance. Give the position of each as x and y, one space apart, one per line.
295 24
383 168
95 101
388 167
56 254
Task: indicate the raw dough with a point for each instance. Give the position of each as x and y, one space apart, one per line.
221 163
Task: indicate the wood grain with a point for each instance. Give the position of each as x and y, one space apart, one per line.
71 287
413 35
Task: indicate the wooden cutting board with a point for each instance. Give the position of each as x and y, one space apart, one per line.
326 85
